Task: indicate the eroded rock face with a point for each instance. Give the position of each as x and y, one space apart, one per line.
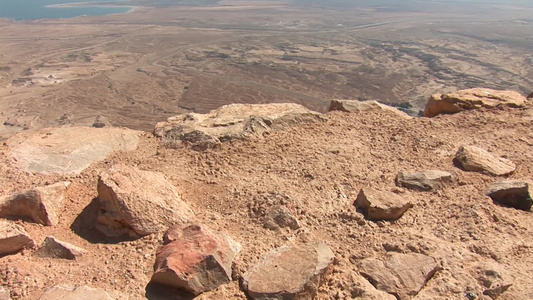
402 275
136 203
381 205
197 261
430 180
55 248
358 106
13 238
68 150
68 292
476 159
235 121
513 193
471 99
41 204
289 272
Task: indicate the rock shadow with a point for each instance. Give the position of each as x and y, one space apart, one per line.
156 291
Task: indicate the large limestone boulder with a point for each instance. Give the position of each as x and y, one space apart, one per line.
403 275
68 150
475 159
234 121
13 238
55 248
197 261
381 205
429 180
40 204
513 193
359 106
289 272
471 99
69 292
136 203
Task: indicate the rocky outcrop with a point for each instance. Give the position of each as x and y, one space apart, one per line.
402 275
475 159
68 292
381 205
13 238
280 217
235 121
358 106
513 193
430 180
471 99
136 203
68 150
197 261
55 248
41 204
289 272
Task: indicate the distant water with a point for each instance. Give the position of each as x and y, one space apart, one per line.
37 9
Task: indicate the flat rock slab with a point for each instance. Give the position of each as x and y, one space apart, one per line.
471 99
68 150
136 203
198 260
513 193
381 205
40 204
475 159
359 106
289 272
55 248
402 275
13 238
430 180
234 121
68 292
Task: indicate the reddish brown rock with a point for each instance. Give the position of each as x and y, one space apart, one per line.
280 217
136 203
471 99
430 180
55 248
513 193
476 159
68 292
289 272
197 261
402 275
359 106
41 204
530 96
13 238
380 205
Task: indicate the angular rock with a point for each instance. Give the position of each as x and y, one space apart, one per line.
55 248
494 279
13 238
513 193
289 272
136 203
476 159
358 106
430 180
402 275
68 292
380 205
4 294
198 261
68 150
235 121
280 217
41 204
471 99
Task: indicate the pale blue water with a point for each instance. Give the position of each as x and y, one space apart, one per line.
36 9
